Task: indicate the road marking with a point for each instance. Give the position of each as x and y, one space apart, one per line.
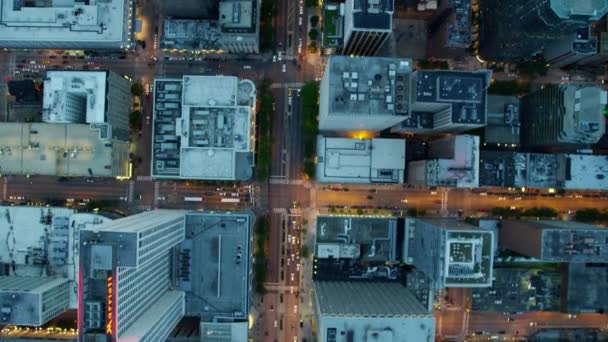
279 210
144 178
5 188
286 85
131 188
285 181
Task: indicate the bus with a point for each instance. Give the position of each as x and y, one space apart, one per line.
193 199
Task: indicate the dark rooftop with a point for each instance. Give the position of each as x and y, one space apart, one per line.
373 14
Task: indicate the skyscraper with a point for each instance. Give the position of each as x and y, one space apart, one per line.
127 276
563 114
367 26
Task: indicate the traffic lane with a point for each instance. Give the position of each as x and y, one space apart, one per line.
48 188
459 199
278 132
295 137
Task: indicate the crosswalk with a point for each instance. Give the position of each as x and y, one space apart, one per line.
286 85
286 181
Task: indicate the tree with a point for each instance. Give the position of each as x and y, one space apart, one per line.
312 3
135 120
535 66
313 34
314 20
137 89
590 215
312 47
359 211
304 252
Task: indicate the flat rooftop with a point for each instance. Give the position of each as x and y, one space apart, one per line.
191 34
26 228
333 26
344 160
218 282
519 290
368 311
63 88
587 287
582 107
203 128
368 85
64 23
238 16
464 93
586 172
497 168
374 15
573 242
459 28
595 9
60 150
503 123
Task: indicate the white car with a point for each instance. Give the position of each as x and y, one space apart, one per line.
300 21
292 277
284 67
247 67
274 58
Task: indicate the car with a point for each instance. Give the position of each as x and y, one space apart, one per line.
161 198
247 67
284 68
433 193
280 56
274 58
510 319
300 21
517 199
298 267
483 194
276 323
502 198
295 309
292 277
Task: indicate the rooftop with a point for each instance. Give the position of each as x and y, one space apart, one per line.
503 123
591 8
459 29
190 34
586 172
219 287
238 16
587 287
37 225
203 128
63 88
29 284
64 23
61 150
573 242
583 121
333 25
368 85
368 311
347 246
463 93
344 160
373 14
223 332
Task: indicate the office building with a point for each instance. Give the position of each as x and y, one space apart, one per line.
188 9
587 288
75 25
32 301
99 98
564 114
450 252
503 124
234 30
367 26
344 160
332 35
452 161
555 241
370 311
363 93
204 128
505 26
224 331
127 275
572 49
54 149
357 247
450 28
445 101
543 170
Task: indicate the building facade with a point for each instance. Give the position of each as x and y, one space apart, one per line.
127 276
32 301
367 26
563 115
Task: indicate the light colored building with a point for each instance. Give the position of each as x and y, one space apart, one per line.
454 163
344 160
367 25
32 301
555 241
563 114
370 311
445 101
99 98
363 93
61 150
450 252
224 331
203 128
236 30
67 24
127 276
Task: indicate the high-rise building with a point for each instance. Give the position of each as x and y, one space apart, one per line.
445 101
363 93
99 98
450 252
555 241
571 49
32 301
453 162
204 128
563 114
345 160
189 9
127 274
367 26
67 24
450 29
505 26
370 311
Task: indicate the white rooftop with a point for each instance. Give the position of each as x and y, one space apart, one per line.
66 21
22 229
87 86
346 160
587 172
